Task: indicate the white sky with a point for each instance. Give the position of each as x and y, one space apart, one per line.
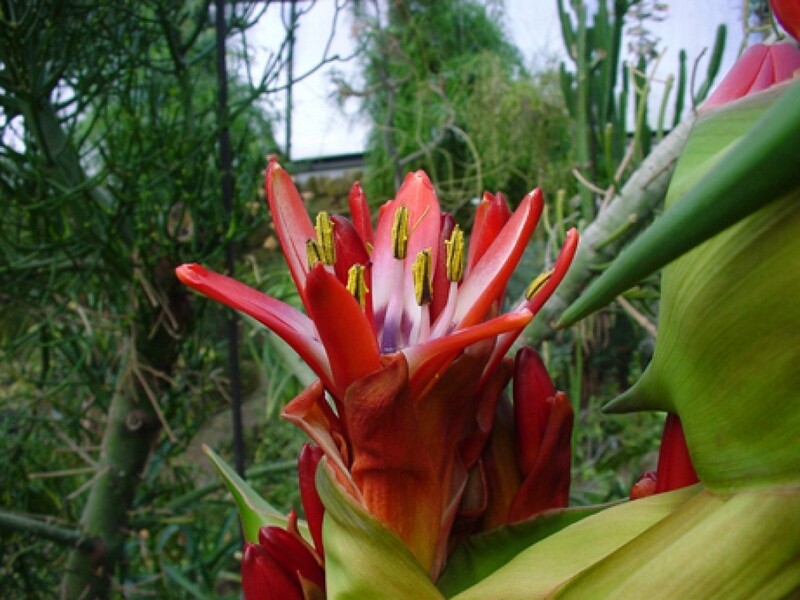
321 128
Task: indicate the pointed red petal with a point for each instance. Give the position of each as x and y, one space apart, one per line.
488 279
534 305
310 412
490 218
675 469
560 269
265 579
343 328
502 473
787 12
291 553
292 223
312 505
533 393
349 248
424 215
359 211
287 322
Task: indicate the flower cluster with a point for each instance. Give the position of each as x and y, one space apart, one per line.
403 325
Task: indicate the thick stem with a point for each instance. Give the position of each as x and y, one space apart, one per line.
636 201
131 430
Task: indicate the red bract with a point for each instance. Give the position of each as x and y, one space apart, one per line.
283 565
408 347
528 460
787 12
675 469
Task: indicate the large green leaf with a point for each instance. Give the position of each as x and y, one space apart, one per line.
758 169
741 546
481 555
727 354
254 511
363 559
539 570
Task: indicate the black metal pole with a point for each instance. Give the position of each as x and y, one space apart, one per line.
225 161
290 78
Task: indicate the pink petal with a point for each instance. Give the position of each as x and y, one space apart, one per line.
287 322
292 224
488 279
786 58
760 67
418 196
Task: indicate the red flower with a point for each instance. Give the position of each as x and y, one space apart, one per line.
405 338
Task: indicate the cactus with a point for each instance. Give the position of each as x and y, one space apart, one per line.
597 91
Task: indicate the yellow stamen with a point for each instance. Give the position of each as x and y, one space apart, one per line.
357 284
537 284
455 255
400 233
324 229
421 272
312 253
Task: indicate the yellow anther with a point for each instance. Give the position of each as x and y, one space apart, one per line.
313 253
357 284
421 272
537 284
454 248
324 229
400 233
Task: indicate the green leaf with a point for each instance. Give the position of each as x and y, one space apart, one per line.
727 354
758 169
482 554
740 546
254 511
363 559
541 569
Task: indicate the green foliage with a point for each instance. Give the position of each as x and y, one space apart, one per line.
446 92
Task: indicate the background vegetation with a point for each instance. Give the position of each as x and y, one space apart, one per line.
112 375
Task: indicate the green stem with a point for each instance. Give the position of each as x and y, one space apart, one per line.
74 538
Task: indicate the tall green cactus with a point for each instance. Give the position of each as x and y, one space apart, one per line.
597 91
